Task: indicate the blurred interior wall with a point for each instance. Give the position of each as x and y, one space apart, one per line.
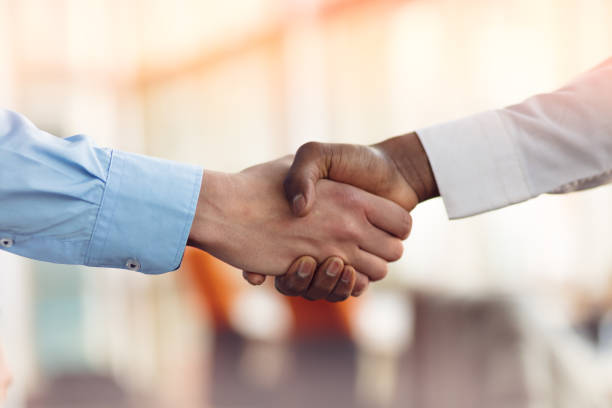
229 84
15 313
368 70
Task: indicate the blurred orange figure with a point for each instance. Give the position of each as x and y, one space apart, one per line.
218 289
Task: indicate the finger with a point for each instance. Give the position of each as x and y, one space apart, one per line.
326 278
381 244
345 285
388 216
297 279
362 282
255 279
309 166
372 266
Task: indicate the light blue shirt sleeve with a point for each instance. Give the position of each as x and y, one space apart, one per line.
68 201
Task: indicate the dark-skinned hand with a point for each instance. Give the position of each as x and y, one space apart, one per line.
396 169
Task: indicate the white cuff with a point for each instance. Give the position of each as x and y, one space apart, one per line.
475 164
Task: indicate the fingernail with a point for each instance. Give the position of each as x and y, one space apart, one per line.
333 269
304 269
299 203
346 276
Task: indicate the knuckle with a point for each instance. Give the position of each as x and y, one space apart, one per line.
349 228
252 278
350 198
360 286
285 288
351 231
335 298
321 289
310 148
379 273
396 251
406 225
345 196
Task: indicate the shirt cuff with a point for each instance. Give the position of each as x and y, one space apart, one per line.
146 214
475 164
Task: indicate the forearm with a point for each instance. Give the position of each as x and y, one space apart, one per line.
556 142
68 201
564 139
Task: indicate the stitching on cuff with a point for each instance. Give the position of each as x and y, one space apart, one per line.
102 201
109 180
578 184
112 214
515 151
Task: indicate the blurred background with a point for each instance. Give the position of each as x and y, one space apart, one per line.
508 309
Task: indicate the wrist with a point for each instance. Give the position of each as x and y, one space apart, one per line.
409 156
206 229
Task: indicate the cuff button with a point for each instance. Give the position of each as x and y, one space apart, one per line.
132 264
6 242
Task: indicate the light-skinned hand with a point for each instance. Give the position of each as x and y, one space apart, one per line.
244 220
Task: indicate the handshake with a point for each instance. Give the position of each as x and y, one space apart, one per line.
324 225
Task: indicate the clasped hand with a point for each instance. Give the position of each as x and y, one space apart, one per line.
321 239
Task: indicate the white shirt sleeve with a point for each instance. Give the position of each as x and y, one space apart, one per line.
551 143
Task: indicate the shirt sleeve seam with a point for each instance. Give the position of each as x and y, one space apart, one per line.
29 237
94 231
515 152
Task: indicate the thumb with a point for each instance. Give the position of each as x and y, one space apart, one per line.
309 166
255 279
